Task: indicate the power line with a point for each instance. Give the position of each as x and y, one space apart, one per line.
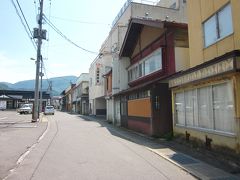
27 29
24 18
78 21
45 70
49 15
65 37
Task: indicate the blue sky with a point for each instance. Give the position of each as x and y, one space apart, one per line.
87 23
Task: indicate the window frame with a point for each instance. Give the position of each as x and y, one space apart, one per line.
217 23
134 70
213 120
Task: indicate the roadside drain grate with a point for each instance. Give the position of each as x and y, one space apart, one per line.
182 159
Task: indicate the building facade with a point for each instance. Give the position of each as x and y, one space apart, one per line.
81 92
69 98
131 9
156 50
206 97
14 98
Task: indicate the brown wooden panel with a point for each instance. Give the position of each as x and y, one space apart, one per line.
139 107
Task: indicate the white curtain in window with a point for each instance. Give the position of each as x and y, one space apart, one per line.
225 21
180 110
223 107
189 107
205 107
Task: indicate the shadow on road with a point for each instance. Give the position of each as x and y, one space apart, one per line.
186 154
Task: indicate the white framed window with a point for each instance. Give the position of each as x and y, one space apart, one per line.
148 65
218 26
190 107
223 108
179 107
210 108
205 119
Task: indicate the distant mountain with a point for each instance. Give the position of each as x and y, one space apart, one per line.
5 85
58 84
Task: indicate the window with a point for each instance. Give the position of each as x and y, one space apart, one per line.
223 108
218 26
210 108
204 107
179 106
133 96
190 107
147 66
139 95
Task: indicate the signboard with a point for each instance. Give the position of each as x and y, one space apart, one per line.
209 71
3 105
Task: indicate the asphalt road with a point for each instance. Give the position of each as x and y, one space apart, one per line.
74 148
17 134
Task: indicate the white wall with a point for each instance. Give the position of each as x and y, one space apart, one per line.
110 110
98 90
157 12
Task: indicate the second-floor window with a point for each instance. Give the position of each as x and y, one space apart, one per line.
218 26
148 65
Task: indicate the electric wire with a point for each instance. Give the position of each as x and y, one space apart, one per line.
77 21
45 73
57 77
65 37
25 28
24 18
49 15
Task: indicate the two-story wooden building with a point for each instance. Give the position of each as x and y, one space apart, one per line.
156 50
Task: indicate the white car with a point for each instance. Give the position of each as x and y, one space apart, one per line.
25 109
49 110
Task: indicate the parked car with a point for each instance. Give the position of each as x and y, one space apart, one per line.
49 110
25 109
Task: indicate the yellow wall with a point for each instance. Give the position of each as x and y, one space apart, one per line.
198 12
232 142
139 107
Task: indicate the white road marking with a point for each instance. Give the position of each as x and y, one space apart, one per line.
3 118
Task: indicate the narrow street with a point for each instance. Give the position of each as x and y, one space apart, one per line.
74 148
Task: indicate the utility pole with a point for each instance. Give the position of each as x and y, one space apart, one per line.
39 35
41 92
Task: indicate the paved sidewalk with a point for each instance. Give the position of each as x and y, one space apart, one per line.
17 135
196 167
